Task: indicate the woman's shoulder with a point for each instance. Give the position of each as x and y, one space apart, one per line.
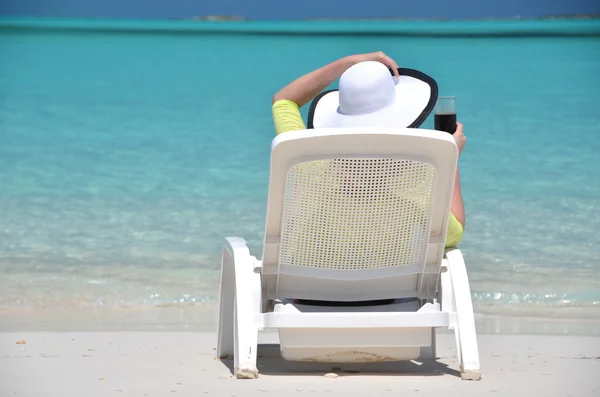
287 117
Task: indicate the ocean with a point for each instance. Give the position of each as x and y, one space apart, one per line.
127 156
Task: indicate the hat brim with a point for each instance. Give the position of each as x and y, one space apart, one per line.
416 95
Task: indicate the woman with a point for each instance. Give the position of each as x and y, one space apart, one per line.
356 85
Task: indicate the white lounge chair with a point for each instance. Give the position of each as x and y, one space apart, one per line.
354 214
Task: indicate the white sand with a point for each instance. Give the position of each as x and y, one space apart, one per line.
183 363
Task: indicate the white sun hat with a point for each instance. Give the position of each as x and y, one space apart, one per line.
370 96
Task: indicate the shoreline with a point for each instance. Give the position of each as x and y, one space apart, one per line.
203 318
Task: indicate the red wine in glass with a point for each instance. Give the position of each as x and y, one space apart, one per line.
444 114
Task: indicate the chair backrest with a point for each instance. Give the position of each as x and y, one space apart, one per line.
357 213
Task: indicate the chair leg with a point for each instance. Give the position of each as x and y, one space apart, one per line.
468 356
226 302
245 347
465 333
429 352
247 304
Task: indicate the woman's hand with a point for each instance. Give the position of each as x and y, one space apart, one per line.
378 56
459 137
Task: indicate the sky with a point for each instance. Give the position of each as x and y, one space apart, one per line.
278 9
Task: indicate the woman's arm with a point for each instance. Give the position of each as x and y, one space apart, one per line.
305 88
457 207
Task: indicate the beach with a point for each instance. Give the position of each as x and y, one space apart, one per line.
184 363
124 165
150 353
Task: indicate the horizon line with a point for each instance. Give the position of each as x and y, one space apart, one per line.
237 18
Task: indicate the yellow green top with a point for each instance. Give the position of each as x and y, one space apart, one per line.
287 117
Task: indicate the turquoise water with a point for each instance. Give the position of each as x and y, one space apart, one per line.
125 159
